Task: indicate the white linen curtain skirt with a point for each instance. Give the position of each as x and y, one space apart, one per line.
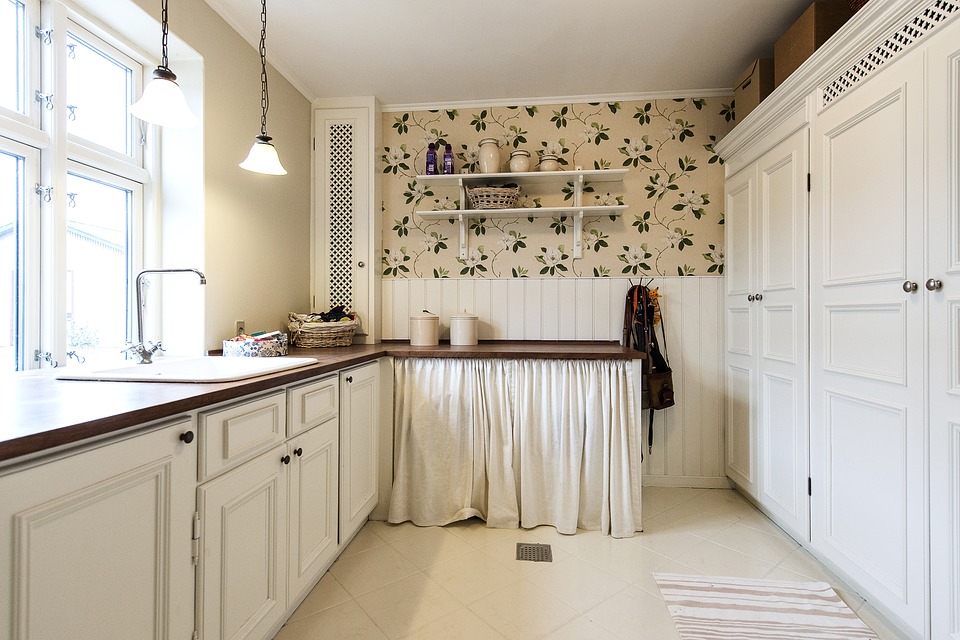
517 443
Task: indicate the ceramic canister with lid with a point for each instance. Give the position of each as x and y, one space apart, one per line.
520 161
489 156
424 329
463 329
549 162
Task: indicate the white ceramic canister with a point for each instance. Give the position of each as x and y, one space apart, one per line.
424 329
548 162
463 329
489 160
520 161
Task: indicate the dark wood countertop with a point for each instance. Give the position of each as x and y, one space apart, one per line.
43 413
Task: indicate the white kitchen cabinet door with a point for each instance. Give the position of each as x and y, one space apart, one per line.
242 577
741 329
867 338
780 342
346 241
359 426
100 543
943 265
313 497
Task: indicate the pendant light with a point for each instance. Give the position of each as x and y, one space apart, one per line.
263 156
162 102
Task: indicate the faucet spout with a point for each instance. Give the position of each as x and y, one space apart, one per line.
139 347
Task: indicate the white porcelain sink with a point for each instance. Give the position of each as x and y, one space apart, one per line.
204 369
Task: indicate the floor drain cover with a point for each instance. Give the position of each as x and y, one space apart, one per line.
534 552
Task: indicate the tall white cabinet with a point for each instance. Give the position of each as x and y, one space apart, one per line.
878 387
346 234
766 366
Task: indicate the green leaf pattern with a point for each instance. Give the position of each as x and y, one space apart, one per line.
674 225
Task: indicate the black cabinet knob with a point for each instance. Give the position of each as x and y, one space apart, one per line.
186 437
285 459
298 451
349 378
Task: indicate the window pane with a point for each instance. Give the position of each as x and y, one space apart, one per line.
99 91
11 215
13 29
98 267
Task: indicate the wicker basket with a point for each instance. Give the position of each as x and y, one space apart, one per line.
493 197
320 334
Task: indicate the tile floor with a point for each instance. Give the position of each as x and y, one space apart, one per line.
462 581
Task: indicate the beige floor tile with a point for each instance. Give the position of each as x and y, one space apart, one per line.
572 544
461 624
345 621
801 562
390 532
431 546
624 559
649 584
673 544
686 519
506 551
635 614
658 499
581 629
328 593
522 611
476 532
755 543
408 604
369 570
473 575
578 583
365 540
712 559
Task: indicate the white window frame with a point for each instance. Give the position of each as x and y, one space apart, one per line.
27 123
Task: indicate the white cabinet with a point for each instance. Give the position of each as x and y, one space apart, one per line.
346 235
577 178
359 427
98 544
943 264
867 332
268 527
766 369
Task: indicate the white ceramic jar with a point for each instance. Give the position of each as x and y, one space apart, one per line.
520 161
424 330
489 160
463 329
548 162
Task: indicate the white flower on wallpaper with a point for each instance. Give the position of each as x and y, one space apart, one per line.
673 187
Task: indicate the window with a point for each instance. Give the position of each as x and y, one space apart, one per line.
71 211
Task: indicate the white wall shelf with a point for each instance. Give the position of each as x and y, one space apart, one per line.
576 211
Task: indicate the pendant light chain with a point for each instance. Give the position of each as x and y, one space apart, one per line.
166 30
264 94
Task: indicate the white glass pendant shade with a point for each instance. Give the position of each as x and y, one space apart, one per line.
263 158
162 102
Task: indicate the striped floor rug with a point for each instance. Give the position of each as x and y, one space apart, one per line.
714 608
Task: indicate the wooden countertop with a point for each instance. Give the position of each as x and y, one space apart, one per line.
44 413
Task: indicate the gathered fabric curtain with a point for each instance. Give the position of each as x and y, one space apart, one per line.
517 443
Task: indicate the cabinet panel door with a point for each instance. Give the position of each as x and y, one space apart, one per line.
867 337
781 336
242 574
101 543
943 264
359 425
314 483
741 329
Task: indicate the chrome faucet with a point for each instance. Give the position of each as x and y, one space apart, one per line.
144 351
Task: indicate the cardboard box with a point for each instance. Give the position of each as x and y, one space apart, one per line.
753 85
811 30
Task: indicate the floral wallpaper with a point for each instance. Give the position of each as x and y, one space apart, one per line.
673 190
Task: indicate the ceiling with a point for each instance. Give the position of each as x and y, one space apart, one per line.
422 53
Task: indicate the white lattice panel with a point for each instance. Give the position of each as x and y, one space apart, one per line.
340 138
933 14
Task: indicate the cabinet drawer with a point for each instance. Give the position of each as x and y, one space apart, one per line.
312 404
240 432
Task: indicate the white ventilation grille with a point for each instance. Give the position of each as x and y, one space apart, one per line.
341 214
930 16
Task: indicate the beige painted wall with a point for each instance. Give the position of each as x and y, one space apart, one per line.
253 229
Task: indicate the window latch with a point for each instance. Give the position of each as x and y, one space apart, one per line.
45 35
45 193
46 356
45 98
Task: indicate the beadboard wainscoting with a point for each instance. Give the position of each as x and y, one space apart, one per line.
688 438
